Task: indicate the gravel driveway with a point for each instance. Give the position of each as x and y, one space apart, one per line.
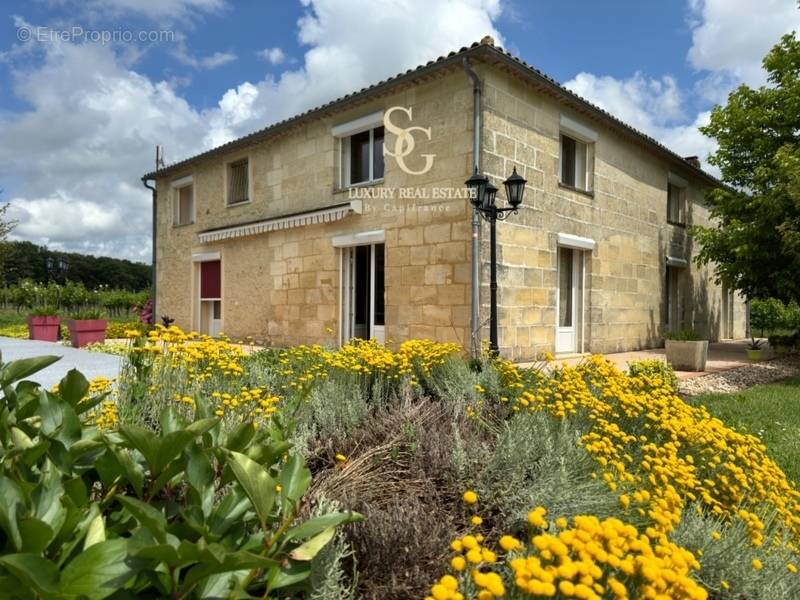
91 364
734 380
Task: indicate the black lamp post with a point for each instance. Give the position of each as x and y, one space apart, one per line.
483 197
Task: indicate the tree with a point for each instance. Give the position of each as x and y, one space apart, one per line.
25 260
755 242
6 226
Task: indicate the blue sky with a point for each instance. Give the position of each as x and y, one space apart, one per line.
79 117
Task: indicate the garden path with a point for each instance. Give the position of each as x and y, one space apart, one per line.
722 356
91 364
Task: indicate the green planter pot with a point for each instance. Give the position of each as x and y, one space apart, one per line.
754 354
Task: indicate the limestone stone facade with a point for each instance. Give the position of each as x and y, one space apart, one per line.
284 259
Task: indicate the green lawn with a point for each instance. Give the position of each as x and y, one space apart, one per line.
772 412
8 316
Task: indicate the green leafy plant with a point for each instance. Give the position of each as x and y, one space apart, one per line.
766 315
45 311
682 335
756 218
654 368
781 342
192 511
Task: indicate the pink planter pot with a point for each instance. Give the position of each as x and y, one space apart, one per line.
86 331
44 329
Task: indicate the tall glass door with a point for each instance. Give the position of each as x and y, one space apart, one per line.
567 300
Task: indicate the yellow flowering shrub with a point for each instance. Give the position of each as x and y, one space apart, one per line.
368 357
253 404
660 453
185 367
170 366
588 558
203 356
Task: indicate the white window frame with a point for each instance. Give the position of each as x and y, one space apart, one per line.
226 192
346 299
585 136
683 186
197 302
177 185
343 132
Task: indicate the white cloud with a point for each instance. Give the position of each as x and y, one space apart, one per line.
212 61
644 103
729 41
392 38
653 106
731 37
72 171
274 56
155 10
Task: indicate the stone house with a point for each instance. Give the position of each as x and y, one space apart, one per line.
307 232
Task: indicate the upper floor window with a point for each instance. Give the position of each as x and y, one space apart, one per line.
363 153
360 144
676 201
238 182
576 164
183 201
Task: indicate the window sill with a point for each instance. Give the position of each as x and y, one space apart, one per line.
182 225
235 204
363 184
572 188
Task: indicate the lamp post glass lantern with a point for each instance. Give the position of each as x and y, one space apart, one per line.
483 195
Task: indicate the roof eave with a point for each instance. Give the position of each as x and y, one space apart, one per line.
338 104
475 50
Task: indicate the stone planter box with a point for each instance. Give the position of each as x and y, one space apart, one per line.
44 329
687 356
86 331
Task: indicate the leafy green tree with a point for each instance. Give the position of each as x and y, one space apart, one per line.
766 315
755 243
29 261
6 226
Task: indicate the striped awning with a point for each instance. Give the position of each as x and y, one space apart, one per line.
311 217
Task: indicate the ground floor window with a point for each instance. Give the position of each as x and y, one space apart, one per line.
363 291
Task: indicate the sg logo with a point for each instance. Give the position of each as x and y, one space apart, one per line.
404 142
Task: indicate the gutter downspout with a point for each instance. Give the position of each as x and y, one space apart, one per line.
153 267
474 325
